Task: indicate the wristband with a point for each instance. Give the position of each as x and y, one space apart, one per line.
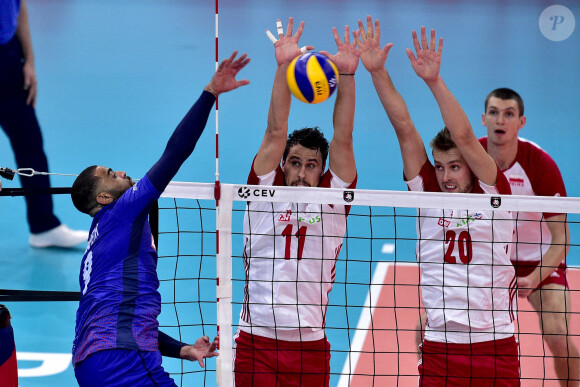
168 346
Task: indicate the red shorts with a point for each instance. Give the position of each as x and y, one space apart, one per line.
489 363
264 362
525 268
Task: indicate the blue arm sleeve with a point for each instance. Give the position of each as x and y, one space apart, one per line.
182 142
168 346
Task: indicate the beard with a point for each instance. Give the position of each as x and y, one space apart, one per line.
118 192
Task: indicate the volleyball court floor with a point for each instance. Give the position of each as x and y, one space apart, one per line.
116 77
384 349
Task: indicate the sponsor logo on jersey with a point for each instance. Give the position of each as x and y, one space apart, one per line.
445 222
348 196
314 219
495 201
469 218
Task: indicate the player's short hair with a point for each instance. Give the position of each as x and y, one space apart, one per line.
311 138
443 141
84 190
504 93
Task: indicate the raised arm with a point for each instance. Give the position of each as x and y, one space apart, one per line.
341 154
427 64
373 59
184 138
274 142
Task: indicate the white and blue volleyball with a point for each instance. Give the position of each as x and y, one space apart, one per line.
312 77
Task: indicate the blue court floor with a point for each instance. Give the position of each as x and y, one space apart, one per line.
115 77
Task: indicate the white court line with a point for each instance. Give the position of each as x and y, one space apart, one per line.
365 320
51 363
363 323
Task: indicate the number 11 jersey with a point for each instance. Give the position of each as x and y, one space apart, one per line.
290 252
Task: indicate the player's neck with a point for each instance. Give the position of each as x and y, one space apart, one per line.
503 154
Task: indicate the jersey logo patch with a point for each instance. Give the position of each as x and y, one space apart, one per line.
516 181
285 217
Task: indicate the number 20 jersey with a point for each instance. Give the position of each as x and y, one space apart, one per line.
468 283
290 256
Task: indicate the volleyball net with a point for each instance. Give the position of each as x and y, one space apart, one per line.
371 319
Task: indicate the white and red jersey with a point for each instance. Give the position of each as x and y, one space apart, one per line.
533 172
468 283
290 258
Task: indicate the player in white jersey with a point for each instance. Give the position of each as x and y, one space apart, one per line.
274 306
291 249
468 284
531 171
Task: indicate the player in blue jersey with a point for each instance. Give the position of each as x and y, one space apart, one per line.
117 341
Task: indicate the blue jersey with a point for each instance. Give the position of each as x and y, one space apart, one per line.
119 298
9 10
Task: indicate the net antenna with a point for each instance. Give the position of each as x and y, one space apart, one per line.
217 173
224 364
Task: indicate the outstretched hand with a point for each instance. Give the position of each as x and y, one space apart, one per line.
200 350
224 79
346 59
369 45
286 47
428 61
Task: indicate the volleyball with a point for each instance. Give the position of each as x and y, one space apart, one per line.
312 77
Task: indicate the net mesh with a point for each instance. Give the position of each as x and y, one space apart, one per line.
187 280
371 319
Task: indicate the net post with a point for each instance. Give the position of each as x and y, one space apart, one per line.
224 362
